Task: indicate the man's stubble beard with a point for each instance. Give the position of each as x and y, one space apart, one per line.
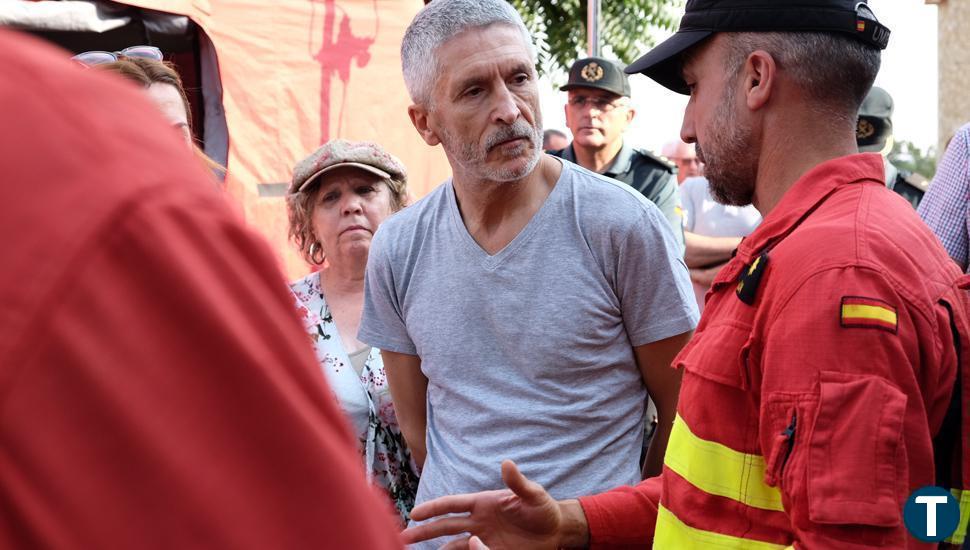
730 167
473 159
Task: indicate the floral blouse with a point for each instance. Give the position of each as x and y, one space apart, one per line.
364 398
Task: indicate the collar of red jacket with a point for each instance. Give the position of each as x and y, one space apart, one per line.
806 194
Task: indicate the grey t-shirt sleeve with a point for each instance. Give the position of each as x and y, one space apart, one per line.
653 284
382 321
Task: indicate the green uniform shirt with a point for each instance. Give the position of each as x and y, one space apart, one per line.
649 175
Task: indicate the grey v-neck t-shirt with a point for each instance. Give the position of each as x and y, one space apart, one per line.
529 352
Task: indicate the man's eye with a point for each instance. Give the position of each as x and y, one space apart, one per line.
473 92
521 78
365 190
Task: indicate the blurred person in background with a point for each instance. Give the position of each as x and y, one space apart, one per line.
339 196
684 157
553 140
874 134
712 231
157 388
145 66
944 208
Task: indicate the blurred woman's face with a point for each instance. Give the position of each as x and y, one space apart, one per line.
348 207
169 101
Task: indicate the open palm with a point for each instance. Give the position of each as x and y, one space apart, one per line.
522 516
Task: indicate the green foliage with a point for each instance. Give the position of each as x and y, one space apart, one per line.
909 157
626 28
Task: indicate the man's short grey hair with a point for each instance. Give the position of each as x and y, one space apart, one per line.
836 70
435 24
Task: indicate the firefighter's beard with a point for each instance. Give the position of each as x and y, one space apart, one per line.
730 165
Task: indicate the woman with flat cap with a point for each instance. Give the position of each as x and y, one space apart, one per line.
339 196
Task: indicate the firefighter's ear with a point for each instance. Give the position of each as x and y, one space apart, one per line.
423 123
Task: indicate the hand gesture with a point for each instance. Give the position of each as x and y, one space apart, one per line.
520 517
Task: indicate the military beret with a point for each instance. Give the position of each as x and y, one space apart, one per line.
337 153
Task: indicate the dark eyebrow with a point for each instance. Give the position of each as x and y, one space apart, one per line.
469 82
522 68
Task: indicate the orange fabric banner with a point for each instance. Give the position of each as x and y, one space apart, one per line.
296 73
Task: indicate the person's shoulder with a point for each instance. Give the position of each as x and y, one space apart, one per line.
417 215
643 157
411 222
607 200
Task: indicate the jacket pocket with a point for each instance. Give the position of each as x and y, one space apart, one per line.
857 470
719 354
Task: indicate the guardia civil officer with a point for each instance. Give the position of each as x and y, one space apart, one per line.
598 112
874 134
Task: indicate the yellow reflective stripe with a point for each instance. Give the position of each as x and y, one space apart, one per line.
858 311
719 470
671 533
963 497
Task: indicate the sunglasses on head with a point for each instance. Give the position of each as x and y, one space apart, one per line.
89 59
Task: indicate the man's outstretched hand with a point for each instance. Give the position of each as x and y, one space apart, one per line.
522 516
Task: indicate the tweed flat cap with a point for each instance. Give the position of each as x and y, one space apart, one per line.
340 152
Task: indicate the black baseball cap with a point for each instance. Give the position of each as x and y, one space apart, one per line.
703 18
599 73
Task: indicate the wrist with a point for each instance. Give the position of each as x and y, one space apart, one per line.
573 527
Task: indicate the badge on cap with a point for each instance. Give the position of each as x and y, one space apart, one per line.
864 130
592 72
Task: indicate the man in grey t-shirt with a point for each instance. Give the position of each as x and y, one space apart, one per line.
526 306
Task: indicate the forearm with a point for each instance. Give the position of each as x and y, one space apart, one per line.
409 391
653 464
705 276
702 251
416 439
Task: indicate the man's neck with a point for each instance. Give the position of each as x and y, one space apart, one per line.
597 159
789 157
495 212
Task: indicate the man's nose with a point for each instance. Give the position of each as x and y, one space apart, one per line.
506 109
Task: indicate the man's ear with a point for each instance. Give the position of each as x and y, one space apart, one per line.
419 117
630 114
760 76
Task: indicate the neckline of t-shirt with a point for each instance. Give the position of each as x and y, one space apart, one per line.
492 261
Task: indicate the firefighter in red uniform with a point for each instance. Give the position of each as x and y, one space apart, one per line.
819 389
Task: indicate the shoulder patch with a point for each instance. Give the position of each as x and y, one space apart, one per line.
659 161
862 312
750 280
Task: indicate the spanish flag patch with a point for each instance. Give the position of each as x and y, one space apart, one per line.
860 312
860 25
